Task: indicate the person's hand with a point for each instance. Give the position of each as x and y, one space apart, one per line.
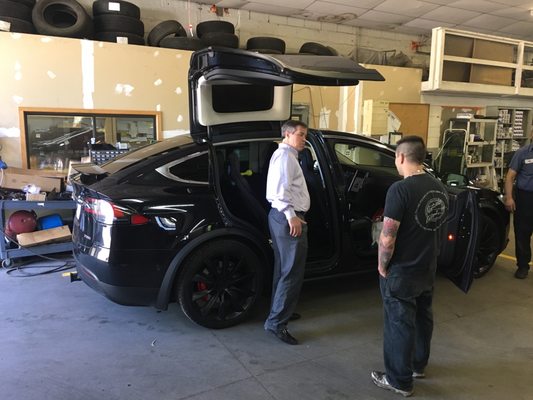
295 226
510 204
382 271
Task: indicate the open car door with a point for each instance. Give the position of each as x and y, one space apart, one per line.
459 249
229 87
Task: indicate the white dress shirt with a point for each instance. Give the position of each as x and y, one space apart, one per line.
286 189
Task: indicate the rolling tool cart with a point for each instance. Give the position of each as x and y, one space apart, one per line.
7 254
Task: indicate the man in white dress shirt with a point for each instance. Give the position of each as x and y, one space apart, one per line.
287 192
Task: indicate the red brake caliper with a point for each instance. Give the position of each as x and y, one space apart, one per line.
201 286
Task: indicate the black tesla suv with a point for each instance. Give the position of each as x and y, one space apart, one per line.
185 219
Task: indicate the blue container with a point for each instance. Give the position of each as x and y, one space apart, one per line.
49 221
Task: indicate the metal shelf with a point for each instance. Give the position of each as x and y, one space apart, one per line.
7 254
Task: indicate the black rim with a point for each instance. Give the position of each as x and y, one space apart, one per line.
488 247
223 288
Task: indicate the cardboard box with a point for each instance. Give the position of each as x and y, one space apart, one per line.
59 234
18 181
36 197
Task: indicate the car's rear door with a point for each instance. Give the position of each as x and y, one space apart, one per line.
229 88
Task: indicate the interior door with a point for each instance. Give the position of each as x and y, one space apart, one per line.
459 249
368 173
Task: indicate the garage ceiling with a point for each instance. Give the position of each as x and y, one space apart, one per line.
510 18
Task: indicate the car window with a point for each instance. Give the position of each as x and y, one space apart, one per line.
189 169
353 154
192 169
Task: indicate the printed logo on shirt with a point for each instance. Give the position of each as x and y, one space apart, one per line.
528 161
431 211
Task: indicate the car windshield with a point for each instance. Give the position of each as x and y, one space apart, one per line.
145 152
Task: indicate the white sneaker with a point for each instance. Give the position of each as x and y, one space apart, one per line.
380 380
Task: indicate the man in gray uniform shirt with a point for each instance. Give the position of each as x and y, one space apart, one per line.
521 204
287 192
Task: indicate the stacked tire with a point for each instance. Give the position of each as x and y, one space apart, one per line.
118 21
266 45
15 16
172 35
317 49
217 33
66 18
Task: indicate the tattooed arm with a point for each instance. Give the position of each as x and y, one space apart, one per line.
387 241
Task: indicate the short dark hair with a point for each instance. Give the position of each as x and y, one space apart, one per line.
413 148
291 125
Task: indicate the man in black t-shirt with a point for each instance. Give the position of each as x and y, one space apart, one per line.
413 228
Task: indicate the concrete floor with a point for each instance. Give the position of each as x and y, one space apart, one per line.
62 341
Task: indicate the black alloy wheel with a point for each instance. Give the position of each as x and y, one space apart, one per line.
220 284
489 245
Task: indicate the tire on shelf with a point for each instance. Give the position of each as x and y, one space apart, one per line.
29 3
164 29
265 44
112 37
182 43
14 9
118 23
66 18
214 26
18 25
102 7
221 39
316 49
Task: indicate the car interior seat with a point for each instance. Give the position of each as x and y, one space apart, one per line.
254 211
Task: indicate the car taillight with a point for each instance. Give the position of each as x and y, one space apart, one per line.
106 212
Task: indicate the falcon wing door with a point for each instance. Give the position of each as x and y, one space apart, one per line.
229 87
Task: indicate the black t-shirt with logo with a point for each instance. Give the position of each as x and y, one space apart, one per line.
420 204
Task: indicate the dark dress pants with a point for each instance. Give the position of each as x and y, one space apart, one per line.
289 266
523 227
407 327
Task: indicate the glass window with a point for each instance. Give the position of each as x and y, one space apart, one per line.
353 154
53 139
193 169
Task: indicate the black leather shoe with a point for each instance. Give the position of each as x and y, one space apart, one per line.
521 273
285 336
295 316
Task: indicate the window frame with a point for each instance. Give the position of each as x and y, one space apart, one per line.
24 112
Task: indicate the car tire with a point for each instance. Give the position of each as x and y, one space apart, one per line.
214 26
316 49
489 245
103 7
268 45
182 43
66 18
14 9
221 39
112 37
164 29
118 23
18 25
29 3
220 284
